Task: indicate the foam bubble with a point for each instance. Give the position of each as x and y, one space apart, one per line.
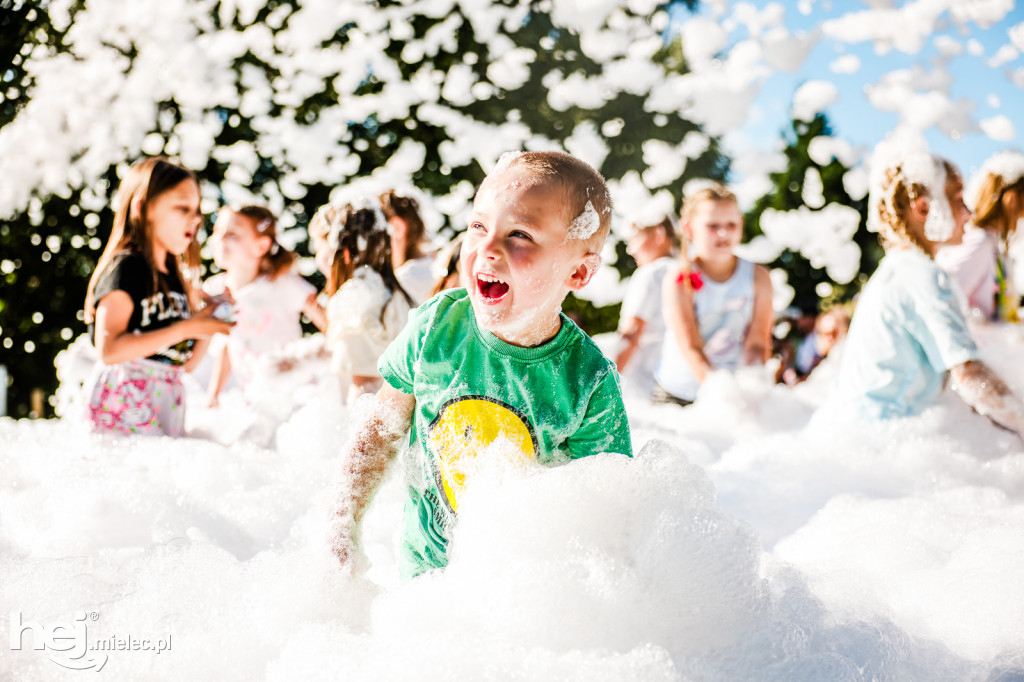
752 538
908 152
586 224
1009 165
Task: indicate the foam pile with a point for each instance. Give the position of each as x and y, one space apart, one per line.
751 538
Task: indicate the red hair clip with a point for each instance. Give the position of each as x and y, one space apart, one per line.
696 282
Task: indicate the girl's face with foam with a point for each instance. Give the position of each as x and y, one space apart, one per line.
173 219
714 230
917 215
517 261
236 243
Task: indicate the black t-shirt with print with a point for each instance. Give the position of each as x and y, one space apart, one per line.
130 273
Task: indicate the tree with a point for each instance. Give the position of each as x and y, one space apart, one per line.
815 218
282 102
49 250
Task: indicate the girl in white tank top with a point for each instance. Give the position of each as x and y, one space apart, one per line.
724 311
718 310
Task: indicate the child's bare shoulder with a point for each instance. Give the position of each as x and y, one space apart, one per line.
762 276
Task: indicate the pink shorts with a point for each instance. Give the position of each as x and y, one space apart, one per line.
138 396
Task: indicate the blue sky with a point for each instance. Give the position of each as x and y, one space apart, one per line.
854 118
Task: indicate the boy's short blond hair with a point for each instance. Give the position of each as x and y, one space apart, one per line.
713 192
581 184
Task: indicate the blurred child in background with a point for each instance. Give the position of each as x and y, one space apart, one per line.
717 306
641 321
411 265
447 274
978 265
139 304
269 297
830 328
909 330
367 307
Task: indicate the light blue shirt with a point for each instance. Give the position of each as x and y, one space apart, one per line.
907 332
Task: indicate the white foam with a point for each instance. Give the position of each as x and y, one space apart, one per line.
585 225
751 538
907 151
1009 165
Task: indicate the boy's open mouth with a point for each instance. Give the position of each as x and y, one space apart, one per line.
491 288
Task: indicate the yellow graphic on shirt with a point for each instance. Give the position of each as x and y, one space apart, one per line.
471 426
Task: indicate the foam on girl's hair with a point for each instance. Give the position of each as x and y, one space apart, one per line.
651 213
329 220
1009 165
358 226
902 160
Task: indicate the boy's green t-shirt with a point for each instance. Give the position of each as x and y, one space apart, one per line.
477 394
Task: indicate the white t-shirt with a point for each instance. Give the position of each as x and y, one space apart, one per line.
417 278
972 265
907 331
357 332
643 301
267 317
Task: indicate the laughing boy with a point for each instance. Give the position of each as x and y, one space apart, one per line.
494 373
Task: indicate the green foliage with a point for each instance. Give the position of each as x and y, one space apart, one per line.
46 254
786 195
50 250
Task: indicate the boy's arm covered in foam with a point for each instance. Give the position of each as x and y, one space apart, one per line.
681 322
757 346
980 388
365 461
